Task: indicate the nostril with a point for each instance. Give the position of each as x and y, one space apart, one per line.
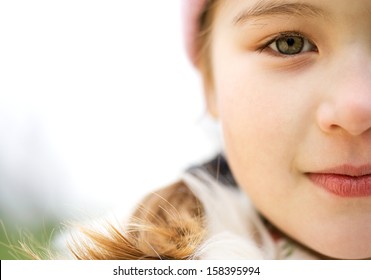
325 117
333 127
353 118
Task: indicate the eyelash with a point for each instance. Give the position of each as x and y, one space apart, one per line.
309 46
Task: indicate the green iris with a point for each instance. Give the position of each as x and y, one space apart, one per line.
290 45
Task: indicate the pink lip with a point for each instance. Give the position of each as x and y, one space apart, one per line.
345 180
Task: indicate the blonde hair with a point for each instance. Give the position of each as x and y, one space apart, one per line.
167 224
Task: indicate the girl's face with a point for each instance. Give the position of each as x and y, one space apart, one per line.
292 89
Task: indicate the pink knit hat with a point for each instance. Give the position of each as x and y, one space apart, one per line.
192 10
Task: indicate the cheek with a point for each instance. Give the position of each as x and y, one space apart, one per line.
254 133
263 125
258 119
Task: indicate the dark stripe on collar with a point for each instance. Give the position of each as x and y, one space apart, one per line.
217 168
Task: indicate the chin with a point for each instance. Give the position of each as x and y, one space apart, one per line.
346 255
346 245
349 252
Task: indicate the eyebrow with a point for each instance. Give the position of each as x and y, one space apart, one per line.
269 8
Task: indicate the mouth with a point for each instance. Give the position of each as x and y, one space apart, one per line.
344 181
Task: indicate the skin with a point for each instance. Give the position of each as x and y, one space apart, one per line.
284 116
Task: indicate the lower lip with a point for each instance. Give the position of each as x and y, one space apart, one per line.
343 185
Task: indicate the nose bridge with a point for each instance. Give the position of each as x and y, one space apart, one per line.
354 61
349 107
354 83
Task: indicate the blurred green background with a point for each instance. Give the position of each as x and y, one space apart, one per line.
38 238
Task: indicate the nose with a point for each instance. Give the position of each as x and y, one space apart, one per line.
348 106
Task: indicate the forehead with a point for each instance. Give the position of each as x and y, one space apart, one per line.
240 11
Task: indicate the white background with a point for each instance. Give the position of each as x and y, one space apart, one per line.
98 105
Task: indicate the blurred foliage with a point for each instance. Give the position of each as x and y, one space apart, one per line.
18 242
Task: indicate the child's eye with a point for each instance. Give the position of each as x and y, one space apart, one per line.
291 44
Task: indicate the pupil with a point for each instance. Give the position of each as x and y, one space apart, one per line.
290 42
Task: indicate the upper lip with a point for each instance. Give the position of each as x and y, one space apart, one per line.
348 170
